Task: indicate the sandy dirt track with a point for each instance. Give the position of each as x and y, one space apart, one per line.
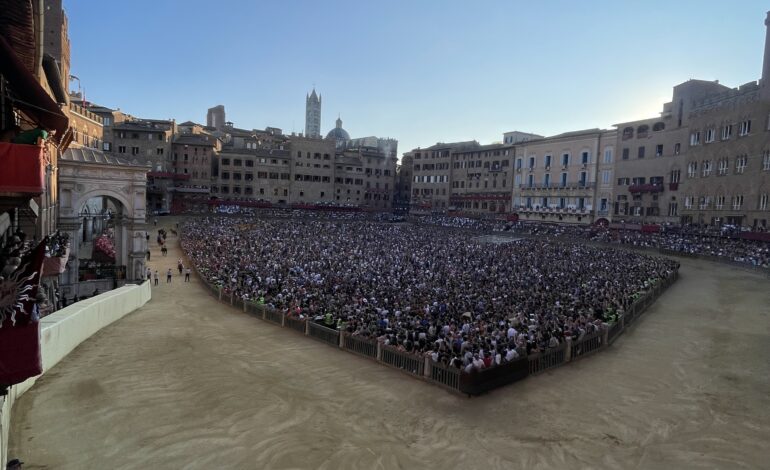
186 382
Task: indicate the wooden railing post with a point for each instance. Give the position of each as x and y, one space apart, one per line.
426 370
568 351
379 351
341 338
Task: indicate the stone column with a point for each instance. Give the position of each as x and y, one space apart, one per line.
88 229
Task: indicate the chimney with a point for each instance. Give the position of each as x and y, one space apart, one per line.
766 63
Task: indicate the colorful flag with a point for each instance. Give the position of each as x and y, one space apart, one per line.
19 320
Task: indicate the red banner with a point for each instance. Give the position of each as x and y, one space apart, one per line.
19 320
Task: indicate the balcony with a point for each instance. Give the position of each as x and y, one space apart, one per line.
559 185
673 186
23 169
555 210
645 188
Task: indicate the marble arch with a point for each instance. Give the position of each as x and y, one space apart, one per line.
116 190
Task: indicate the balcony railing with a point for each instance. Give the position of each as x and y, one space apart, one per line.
645 188
559 185
23 169
556 210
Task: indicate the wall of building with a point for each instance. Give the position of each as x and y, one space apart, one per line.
480 180
62 331
726 178
555 179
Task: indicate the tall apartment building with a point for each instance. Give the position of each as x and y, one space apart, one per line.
312 166
365 177
651 154
480 179
727 172
705 160
432 172
556 177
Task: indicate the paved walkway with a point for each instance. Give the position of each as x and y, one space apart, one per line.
186 382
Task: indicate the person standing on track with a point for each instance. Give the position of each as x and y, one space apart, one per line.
187 275
169 273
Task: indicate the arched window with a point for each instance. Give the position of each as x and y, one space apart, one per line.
642 131
628 133
658 126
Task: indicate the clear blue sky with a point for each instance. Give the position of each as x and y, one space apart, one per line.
418 71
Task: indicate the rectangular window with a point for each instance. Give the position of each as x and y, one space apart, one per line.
737 202
745 128
766 160
565 159
727 131
763 199
626 152
740 164
121 149
694 139
547 161
659 150
608 155
606 176
677 149
724 166
531 162
640 152
706 168
584 158
134 150
692 169
106 146
710 135
675 175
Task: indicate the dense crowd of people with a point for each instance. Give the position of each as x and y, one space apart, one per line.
723 243
423 289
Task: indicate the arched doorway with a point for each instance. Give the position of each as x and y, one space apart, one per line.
102 207
101 261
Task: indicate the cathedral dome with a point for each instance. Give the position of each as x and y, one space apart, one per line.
338 133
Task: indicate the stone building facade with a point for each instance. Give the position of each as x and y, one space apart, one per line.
480 179
727 172
432 176
555 177
86 126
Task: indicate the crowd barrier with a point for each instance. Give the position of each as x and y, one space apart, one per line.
363 346
407 362
322 333
455 380
540 362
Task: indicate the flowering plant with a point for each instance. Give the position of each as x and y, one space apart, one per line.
105 246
